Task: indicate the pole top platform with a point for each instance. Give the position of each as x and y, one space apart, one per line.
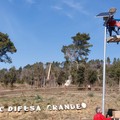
114 38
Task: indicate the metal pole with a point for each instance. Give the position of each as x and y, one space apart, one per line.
104 73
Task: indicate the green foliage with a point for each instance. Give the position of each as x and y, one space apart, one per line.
114 71
6 79
6 46
10 77
74 74
80 75
108 61
2 74
61 78
92 76
79 49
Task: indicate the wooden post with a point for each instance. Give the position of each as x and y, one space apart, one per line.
48 76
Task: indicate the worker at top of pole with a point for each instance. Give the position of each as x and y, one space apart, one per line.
111 23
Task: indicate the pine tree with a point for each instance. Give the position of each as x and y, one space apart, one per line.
79 49
6 46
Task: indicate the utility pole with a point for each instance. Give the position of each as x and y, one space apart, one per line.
105 16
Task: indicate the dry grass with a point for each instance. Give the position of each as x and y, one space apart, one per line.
56 97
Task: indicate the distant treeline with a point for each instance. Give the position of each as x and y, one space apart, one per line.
76 65
83 73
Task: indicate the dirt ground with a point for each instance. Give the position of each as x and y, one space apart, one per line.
55 96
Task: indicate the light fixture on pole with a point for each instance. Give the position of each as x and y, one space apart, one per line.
105 16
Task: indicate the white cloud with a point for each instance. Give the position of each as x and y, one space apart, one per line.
72 4
77 6
62 10
70 8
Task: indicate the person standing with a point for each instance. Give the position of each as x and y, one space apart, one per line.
99 116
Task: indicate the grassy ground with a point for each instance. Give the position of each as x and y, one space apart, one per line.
57 96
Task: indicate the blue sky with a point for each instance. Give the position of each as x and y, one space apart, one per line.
39 28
